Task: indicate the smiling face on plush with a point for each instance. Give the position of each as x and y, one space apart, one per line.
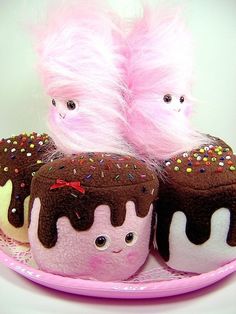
65 109
180 104
103 252
78 121
159 125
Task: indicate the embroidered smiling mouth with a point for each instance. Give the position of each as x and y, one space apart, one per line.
117 251
62 115
177 110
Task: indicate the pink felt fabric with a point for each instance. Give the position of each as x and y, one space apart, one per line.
76 255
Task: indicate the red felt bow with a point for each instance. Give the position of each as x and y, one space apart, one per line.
61 183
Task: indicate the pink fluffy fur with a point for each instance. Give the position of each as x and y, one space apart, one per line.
159 61
118 80
81 59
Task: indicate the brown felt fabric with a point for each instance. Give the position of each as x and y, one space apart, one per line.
17 166
208 186
107 179
216 141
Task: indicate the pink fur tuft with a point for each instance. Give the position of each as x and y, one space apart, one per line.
81 59
159 62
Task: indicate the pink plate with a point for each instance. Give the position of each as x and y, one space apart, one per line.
154 280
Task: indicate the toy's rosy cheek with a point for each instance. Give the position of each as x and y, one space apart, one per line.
97 262
132 257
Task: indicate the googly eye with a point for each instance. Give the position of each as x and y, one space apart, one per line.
131 238
181 99
70 105
54 102
167 98
102 242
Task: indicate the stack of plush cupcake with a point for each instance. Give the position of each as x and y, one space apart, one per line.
124 160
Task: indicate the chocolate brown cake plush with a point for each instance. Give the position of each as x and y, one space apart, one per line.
196 212
91 216
216 141
20 157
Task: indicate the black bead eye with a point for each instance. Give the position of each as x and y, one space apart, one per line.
102 242
131 238
71 105
181 99
167 98
54 102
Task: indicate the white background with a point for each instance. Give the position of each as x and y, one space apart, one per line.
23 106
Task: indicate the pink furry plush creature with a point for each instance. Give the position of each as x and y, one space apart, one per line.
81 61
159 77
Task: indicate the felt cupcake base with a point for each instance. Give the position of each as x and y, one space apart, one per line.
154 280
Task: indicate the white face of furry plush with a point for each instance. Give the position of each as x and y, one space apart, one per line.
176 103
65 109
84 125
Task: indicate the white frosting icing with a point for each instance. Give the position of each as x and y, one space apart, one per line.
215 252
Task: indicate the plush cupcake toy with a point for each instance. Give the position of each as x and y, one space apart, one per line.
92 216
20 157
196 223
